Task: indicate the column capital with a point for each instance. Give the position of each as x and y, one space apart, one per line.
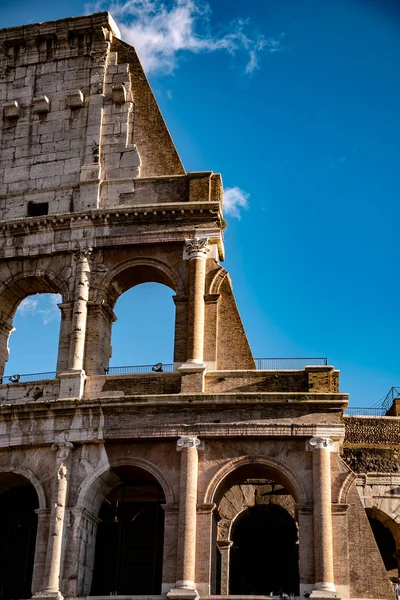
197 247
187 441
320 443
62 448
81 254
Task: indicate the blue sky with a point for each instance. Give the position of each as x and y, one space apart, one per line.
296 103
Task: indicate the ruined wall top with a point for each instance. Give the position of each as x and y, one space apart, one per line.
80 129
100 23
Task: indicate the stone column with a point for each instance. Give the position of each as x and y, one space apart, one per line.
322 517
197 252
193 370
186 559
79 315
51 588
72 380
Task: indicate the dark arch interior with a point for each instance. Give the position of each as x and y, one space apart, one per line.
385 543
264 552
18 527
130 537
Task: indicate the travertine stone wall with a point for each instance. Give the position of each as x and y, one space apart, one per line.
77 117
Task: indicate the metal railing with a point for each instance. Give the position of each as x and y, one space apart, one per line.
262 364
135 370
28 377
288 364
388 400
372 411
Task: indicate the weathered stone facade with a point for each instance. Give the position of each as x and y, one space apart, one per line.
148 484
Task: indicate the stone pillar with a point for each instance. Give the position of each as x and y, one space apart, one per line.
206 550
6 328
186 559
306 548
72 380
225 549
42 536
170 547
181 330
322 517
65 336
211 331
51 588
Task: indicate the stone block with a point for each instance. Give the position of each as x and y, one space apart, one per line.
119 94
75 99
11 110
41 105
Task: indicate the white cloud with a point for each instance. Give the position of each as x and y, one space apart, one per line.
235 200
43 306
28 306
161 33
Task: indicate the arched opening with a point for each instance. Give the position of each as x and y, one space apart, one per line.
130 537
18 527
257 536
384 530
36 318
144 331
264 553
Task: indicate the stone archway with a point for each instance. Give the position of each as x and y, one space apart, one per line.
249 490
16 289
18 529
118 280
130 536
102 489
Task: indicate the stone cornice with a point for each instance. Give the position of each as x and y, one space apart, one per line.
203 430
116 227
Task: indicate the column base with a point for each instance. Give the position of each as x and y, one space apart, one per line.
183 593
47 595
324 591
72 384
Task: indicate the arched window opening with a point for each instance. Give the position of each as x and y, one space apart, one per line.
144 331
130 537
18 527
33 343
256 534
386 545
